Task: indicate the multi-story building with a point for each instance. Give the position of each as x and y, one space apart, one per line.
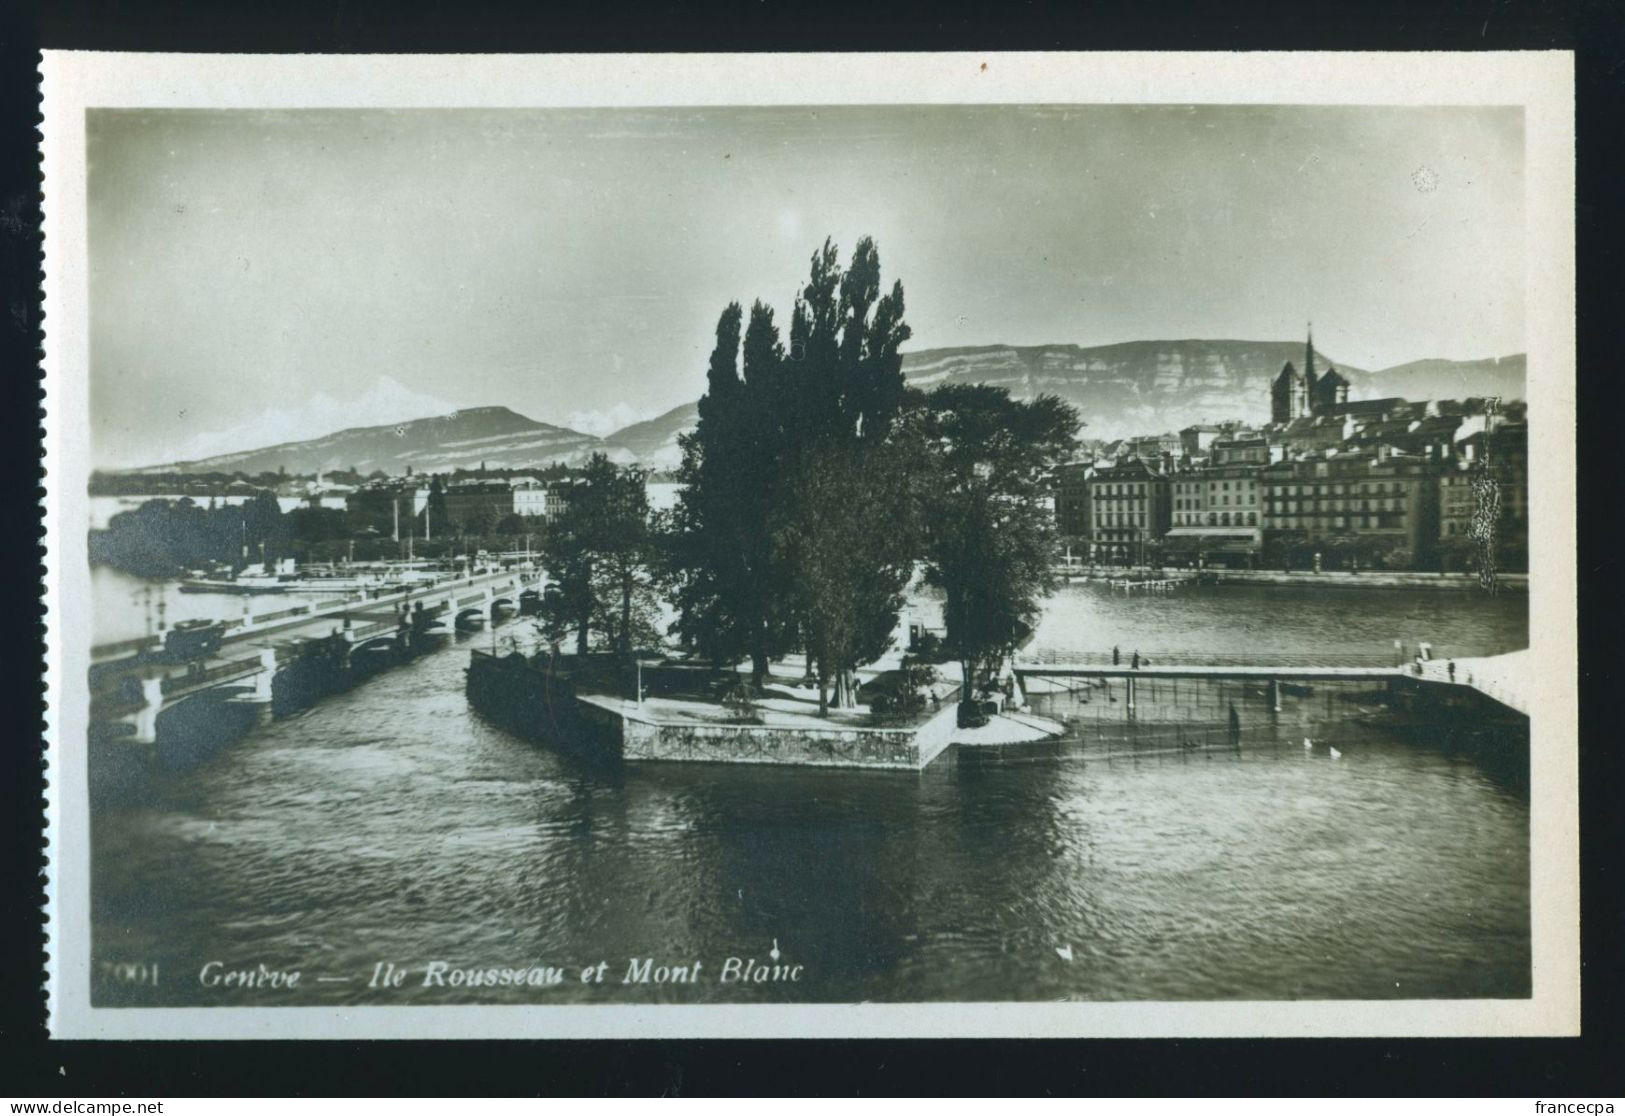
1197 438
390 506
489 502
1369 506
1155 447
478 504
1244 448
1508 464
1232 496
1309 434
534 499
1072 499
1129 511
1216 514
1373 410
1433 436
1187 496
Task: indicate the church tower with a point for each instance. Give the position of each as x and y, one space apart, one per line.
1287 397
1295 394
1325 390
1309 377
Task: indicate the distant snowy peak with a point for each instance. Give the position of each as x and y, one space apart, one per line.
463 439
654 441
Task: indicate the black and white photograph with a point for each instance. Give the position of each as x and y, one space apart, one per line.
1060 555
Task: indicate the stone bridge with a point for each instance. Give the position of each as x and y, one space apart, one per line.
133 681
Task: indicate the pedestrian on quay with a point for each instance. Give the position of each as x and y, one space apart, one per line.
1136 664
1451 668
1116 657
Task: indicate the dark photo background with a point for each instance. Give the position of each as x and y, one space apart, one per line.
1552 1068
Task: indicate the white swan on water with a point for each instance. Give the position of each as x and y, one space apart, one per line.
1335 753
1308 744
1064 952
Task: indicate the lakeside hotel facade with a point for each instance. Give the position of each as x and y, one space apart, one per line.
1383 482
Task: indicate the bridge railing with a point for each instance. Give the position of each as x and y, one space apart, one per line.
282 614
1125 658
368 630
123 647
234 668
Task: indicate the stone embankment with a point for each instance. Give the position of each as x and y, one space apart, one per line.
1120 576
1375 579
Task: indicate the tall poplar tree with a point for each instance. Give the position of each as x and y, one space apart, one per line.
756 564
710 514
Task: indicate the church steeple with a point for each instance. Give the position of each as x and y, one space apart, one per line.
1309 362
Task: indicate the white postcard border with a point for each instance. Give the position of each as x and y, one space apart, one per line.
1542 82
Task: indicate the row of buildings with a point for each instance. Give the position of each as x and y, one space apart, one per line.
422 506
1382 482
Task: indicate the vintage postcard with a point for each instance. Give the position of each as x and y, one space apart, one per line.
886 545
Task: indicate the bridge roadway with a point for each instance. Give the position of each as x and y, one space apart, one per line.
243 651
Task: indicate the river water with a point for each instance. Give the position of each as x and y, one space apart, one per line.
390 824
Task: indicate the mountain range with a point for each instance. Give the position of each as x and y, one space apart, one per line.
1138 387
461 440
1141 387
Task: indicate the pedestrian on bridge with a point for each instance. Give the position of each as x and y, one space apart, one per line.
1116 656
1136 663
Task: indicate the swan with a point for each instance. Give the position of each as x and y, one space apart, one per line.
1064 952
1307 744
1335 753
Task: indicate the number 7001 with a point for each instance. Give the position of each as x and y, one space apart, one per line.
127 972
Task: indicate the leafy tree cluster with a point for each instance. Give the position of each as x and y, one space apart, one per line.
162 537
601 557
989 540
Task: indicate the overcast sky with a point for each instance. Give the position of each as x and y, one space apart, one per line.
261 275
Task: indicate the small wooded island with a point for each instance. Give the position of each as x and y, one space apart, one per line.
817 490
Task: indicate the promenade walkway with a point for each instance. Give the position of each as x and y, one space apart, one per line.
1507 678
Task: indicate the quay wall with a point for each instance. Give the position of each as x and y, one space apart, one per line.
1387 579
642 739
1326 579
